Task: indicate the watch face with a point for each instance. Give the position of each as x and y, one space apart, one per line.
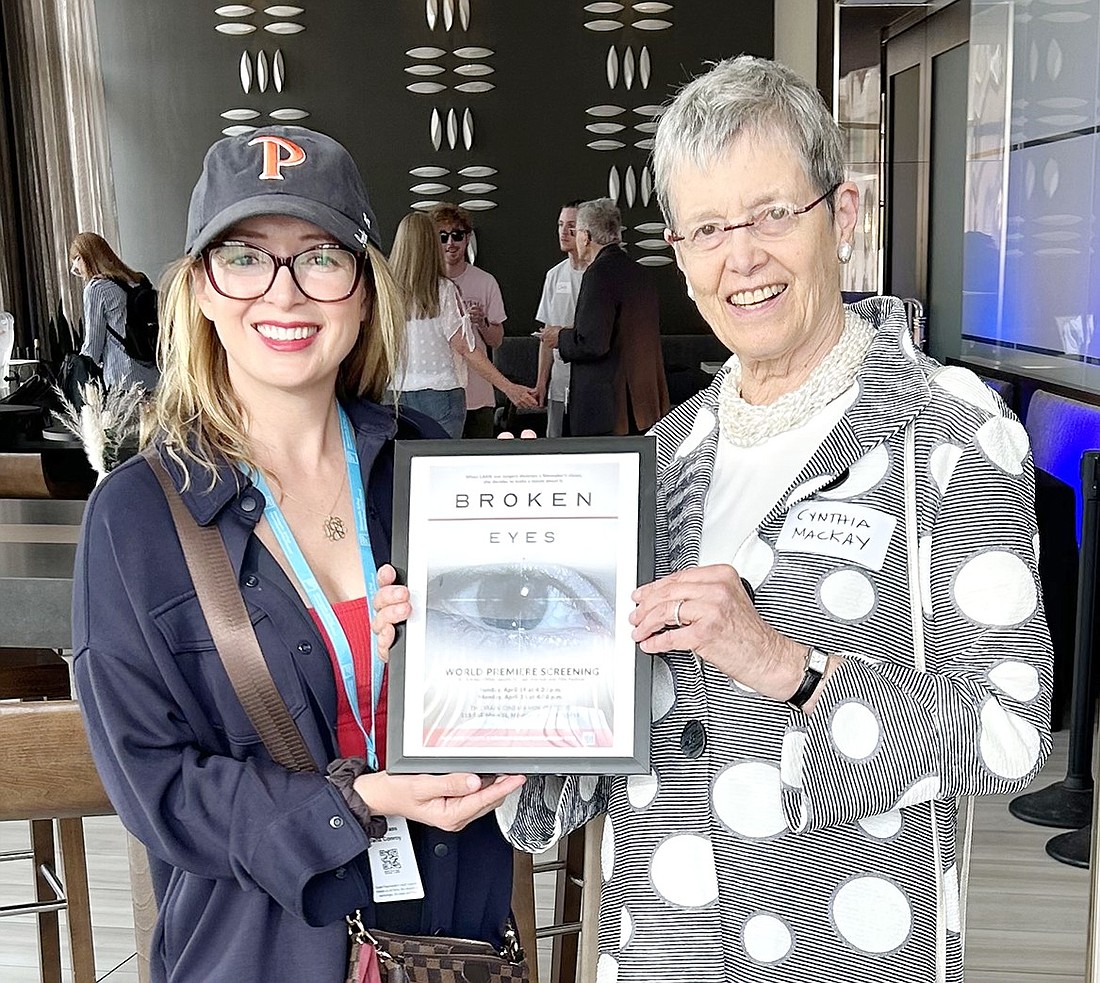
817 661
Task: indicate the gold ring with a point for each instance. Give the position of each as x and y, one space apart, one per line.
676 613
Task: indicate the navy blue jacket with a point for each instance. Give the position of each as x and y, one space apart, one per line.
261 864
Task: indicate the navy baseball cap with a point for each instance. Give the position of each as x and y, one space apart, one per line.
280 170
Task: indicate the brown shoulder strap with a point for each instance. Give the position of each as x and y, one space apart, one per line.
227 618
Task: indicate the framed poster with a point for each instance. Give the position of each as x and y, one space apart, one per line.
520 557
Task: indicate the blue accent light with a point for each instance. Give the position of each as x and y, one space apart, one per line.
1061 430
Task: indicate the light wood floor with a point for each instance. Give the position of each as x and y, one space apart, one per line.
1026 919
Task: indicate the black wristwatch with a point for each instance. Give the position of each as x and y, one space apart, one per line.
816 663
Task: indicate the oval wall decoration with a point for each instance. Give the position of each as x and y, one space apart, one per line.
655 260
284 27
282 10
234 10
477 170
605 145
652 25
288 114
426 88
425 69
604 128
479 204
429 170
605 110
477 188
475 87
261 70
474 52
628 68
474 70
425 52
604 25
246 73
234 28
430 188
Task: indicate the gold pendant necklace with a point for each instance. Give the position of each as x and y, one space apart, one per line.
333 525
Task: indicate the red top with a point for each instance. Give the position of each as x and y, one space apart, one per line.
354 618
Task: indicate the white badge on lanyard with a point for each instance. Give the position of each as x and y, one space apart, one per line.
393 866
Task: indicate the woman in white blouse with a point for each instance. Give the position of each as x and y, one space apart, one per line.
439 339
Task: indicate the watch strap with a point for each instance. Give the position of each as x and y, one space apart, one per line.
816 662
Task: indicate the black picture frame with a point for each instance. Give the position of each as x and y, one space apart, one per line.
594 479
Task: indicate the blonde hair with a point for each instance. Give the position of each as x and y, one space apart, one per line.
418 264
196 409
99 258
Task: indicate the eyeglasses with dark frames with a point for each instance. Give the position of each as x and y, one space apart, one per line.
456 235
772 221
326 273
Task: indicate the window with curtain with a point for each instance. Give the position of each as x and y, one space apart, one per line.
55 167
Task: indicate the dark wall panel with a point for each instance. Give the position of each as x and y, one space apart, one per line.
169 75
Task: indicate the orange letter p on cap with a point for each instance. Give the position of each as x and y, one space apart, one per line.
274 161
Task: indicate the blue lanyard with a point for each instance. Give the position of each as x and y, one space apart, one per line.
321 605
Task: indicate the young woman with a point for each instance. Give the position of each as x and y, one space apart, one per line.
282 328
103 273
439 341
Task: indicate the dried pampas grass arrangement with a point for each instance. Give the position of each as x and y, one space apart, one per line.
107 420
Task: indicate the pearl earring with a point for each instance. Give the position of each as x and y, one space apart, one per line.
844 251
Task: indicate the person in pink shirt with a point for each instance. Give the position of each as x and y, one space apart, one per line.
481 296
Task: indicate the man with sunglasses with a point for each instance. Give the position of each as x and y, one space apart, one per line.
481 295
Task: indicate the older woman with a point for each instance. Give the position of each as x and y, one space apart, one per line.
283 323
847 631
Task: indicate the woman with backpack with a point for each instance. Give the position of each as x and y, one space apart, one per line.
114 298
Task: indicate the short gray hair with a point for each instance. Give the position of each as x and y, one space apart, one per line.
746 95
602 219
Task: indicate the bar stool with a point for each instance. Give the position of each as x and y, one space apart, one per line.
576 906
49 775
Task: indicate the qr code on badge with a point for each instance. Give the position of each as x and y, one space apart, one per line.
391 862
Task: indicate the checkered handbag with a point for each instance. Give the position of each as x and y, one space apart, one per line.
433 959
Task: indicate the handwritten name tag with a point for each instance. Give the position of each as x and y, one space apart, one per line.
848 532
563 288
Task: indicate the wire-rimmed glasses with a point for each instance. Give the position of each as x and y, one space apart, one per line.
772 221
